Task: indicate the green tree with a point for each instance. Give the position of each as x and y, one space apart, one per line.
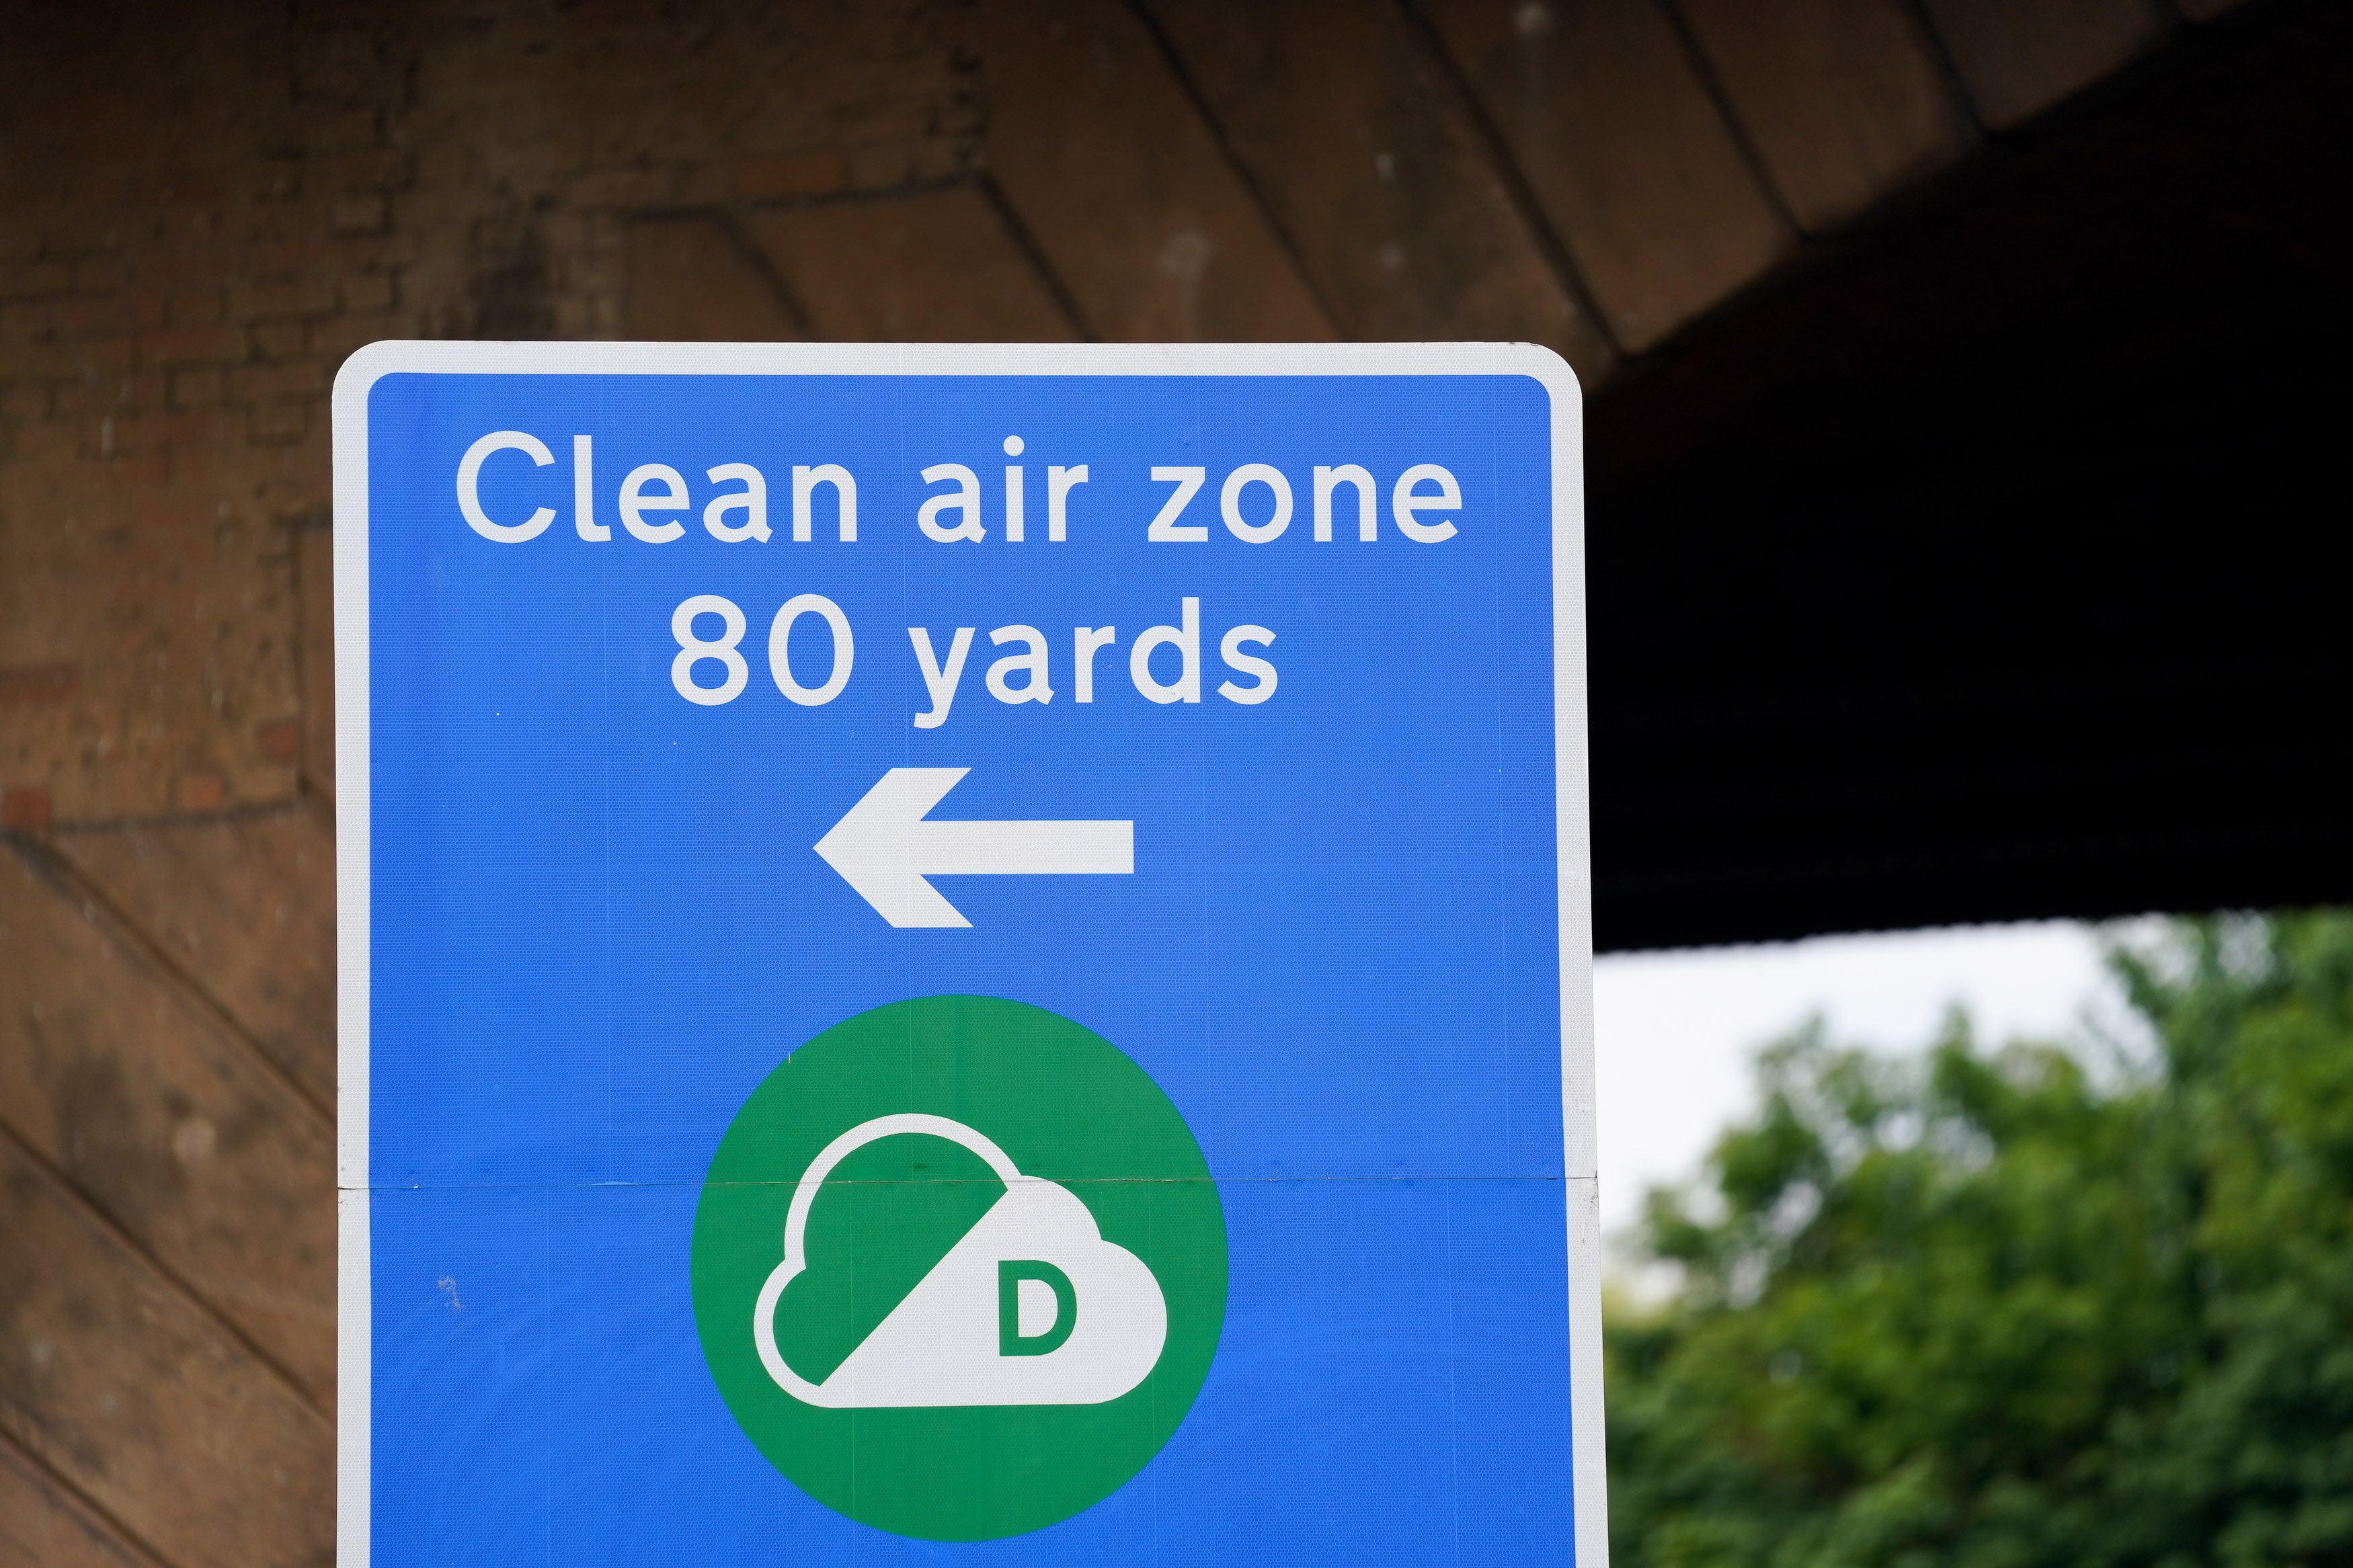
1998 1308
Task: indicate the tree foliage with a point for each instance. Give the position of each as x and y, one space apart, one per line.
1994 1309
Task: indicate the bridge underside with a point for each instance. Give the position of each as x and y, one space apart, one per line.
1995 565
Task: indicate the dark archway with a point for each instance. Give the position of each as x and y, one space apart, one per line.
1995 565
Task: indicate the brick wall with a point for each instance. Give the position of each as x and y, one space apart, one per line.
207 208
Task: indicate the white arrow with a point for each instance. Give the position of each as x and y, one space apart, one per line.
884 848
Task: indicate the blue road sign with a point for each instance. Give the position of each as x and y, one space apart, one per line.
964 955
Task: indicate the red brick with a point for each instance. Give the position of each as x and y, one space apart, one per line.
398 248
280 421
51 445
88 399
25 808
347 74
358 215
203 309
314 580
192 345
98 274
279 741
279 183
302 296
99 313
813 171
182 187
198 388
350 127
33 318
278 254
109 396
277 339
601 232
334 339
623 187
35 277
879 167
179 429
260 383
31 685
936 163
24 400
372 169
833 253
200 792
368 291
77 359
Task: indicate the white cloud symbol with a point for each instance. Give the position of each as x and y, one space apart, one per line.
941 1346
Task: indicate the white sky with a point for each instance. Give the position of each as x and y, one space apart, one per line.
1675 1032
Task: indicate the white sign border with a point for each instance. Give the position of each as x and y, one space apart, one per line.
1589 1497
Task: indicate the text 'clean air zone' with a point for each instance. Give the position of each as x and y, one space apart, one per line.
1255 504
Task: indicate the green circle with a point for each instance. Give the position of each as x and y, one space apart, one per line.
1061 1103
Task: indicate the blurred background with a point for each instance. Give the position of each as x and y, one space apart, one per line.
1968 542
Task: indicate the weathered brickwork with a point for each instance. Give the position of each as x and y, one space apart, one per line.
154 398
208 208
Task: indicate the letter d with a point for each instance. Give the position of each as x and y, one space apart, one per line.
1010 1340
1187 643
